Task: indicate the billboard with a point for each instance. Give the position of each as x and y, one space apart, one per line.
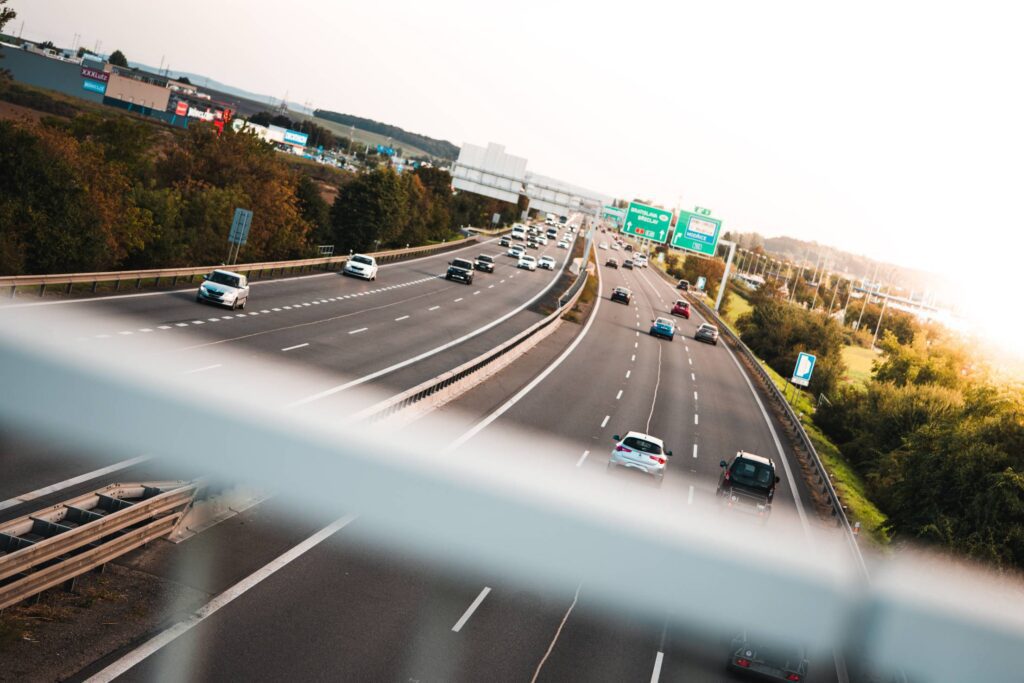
294 137
95 74
489 171
94 86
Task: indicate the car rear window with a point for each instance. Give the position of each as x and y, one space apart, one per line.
460 263
752 473
486 259
642 445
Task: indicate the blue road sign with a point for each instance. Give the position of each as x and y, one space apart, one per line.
804 369
701 282
240 227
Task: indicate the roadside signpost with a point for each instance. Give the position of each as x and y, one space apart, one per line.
804 369
239 234
647 222
697 232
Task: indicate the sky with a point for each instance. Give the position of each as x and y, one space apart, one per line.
884 128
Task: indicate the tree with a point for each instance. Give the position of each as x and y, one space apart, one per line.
314 210
117 58
6 14
438 186
368 211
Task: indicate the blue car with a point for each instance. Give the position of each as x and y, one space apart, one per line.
663 327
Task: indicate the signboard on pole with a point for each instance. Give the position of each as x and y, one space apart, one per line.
614 214
697 232
804 369
648 222
240 227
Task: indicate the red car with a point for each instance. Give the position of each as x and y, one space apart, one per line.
681 308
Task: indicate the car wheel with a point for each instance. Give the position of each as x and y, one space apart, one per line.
199 299
243 304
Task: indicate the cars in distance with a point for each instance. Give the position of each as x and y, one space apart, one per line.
640 260
484 262
527 262
707 333
546 262
663 327
683 286
747 483
682 308
516 250
629 247
603 245
518 232
532 244
621 294
628 263
505 241
564 244
767 661
224 288
612 263
361 265
640 452
460 269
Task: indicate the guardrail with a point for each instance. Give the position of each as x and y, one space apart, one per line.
407 398
824 483
68 280
54 546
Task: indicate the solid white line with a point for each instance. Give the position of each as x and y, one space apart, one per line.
618 395
582 458
168 636
657 384
604 422
695 450
203 369
61 485
472 608
689 497
433 308
695 420
404 317
558 633
361 329
656 674
297 346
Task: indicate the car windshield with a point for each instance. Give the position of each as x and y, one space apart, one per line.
750 473
642 445
486 259
460 263
365 260
225 279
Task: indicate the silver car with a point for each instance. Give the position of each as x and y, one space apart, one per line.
224 288
641 452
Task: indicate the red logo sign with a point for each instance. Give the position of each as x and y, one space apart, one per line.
182 108
95 75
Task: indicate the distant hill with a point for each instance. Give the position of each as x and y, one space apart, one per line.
438 148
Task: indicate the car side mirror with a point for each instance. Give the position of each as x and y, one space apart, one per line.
616 437
722 464
206 277
669 453
776 480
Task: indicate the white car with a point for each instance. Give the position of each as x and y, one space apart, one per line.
564 244
542 239
224 288
516 251
528 262
603 245
361 265
546 262
640 452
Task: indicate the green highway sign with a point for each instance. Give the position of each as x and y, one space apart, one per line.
614 213
647 222
697 232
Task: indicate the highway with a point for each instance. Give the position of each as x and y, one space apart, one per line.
377 615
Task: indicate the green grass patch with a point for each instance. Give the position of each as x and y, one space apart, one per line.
737 306
858 364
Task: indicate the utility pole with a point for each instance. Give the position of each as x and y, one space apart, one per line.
725 275
885 303
867 295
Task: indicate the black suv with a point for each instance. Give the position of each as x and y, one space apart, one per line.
485 263
621 294
460 269
748 483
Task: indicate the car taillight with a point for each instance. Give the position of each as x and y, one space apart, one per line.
657 459
622 448
727 475
793 677
745 663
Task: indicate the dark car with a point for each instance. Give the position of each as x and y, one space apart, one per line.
748 483
485 263
682 308
684 285
612 263
504 242
629 247
767 661
628 263
460 269
707 333
621 294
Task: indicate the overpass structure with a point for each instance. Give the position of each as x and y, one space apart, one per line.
492 172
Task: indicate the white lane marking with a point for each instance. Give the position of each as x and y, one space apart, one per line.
636 345
297 346
254 314
689 496
433 308
687 349
308 304
213 320
202 369
126 332
691 360
149 329
240 315
472 608
604 422
638 323
167 327
169 635
61 485
404 317
582 458
264 311
458 300
490 286
224 317
276 309
287 308
476 292
638 333
502 282
181 324
618 395
200 322
315 303
633 359
361 329
628 373
695 419
695 396
695 450
558 633
693 377
657 384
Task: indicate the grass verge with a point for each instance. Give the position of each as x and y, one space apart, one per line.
858 364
